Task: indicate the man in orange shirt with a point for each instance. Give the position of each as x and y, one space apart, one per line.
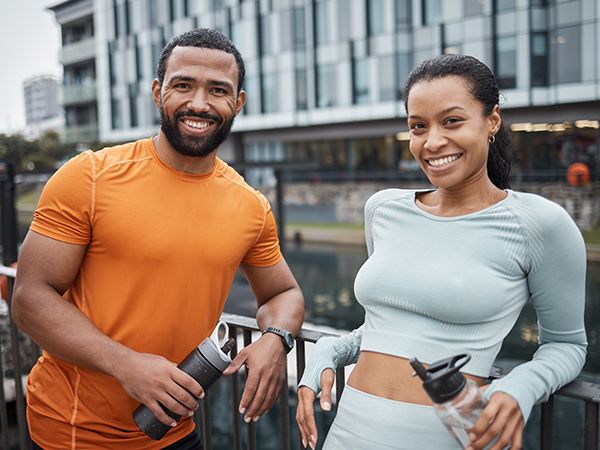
130 258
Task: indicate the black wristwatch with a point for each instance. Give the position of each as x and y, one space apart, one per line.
286 337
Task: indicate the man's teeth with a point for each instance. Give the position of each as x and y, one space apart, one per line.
194 124
443 161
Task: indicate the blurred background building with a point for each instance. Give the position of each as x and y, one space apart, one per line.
43 110
78 58
325 77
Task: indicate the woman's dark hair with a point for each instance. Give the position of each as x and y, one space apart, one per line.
201 38
483 87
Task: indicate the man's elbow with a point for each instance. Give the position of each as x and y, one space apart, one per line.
18 306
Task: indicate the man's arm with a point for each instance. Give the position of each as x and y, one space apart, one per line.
46 269
280 305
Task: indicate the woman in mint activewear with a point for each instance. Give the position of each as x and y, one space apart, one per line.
449 271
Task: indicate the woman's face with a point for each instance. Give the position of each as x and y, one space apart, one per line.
449 132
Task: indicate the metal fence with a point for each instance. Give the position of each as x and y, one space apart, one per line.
242 327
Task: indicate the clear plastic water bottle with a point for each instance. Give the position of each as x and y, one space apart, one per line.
456 400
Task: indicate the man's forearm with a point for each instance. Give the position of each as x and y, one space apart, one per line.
64 331
285 310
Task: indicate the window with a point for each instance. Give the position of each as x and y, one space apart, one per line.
387 90
566 52
403 15
301 89
375 17
505 5
152 13
322 22
133 110
539 59
403 68
325 86
269 93
115 114
265 33
360 81
432 12
472 7
298 26
506 62
117 19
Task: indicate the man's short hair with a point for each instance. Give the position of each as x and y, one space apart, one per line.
201 38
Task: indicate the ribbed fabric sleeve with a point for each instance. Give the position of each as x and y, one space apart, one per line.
331 353
557 286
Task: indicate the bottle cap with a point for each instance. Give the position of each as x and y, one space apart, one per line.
442 380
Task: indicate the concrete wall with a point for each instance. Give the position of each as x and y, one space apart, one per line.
344 202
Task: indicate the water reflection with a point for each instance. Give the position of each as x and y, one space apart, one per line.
326 275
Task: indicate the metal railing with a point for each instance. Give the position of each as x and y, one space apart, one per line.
243 327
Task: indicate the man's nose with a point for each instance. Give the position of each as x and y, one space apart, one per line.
199 101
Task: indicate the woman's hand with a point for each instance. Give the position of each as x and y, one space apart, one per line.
501 418
305 414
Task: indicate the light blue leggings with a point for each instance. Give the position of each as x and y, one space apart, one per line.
367 422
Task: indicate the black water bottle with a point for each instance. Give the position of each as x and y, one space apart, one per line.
457 400
205 364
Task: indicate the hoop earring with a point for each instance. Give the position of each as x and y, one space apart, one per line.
492 139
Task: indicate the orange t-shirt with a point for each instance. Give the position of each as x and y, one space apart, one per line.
163 249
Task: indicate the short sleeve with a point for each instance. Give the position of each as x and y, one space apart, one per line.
265 252
65 208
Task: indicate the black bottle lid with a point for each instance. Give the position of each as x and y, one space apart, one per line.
442 380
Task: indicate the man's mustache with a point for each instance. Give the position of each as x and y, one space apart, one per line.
200 115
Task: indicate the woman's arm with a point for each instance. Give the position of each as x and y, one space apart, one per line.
556 281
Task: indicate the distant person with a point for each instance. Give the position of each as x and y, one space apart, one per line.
130 258
449 271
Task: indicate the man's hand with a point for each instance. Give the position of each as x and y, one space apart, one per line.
265 361
155 381
305 414
501 419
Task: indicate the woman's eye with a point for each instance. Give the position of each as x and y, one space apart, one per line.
417 126
453 120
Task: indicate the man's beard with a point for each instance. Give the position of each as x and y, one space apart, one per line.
194 145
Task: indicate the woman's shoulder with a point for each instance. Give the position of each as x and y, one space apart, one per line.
386 195
540 208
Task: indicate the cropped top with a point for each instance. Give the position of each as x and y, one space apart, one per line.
433 287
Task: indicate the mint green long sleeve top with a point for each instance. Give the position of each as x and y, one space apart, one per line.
433 287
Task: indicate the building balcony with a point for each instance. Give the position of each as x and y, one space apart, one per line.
77 94
77 52
80 134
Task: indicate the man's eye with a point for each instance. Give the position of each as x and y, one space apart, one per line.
220 91
182 86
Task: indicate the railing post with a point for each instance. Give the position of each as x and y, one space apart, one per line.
9 213
3 409
18 372
250 427
285 413
235 395
591 426
547 423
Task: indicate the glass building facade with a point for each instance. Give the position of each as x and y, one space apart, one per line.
325 77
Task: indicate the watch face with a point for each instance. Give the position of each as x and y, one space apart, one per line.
289 340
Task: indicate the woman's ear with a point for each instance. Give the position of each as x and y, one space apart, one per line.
495 120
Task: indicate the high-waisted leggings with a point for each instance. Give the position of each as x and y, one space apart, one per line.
367 422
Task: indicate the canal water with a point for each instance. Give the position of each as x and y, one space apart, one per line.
326 275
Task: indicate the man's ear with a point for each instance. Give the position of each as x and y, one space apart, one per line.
156 87
240 102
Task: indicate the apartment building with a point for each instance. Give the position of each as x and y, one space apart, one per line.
78 58
325 77
42 106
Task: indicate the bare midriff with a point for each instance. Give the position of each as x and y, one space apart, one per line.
391 377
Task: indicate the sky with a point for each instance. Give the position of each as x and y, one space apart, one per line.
29 46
